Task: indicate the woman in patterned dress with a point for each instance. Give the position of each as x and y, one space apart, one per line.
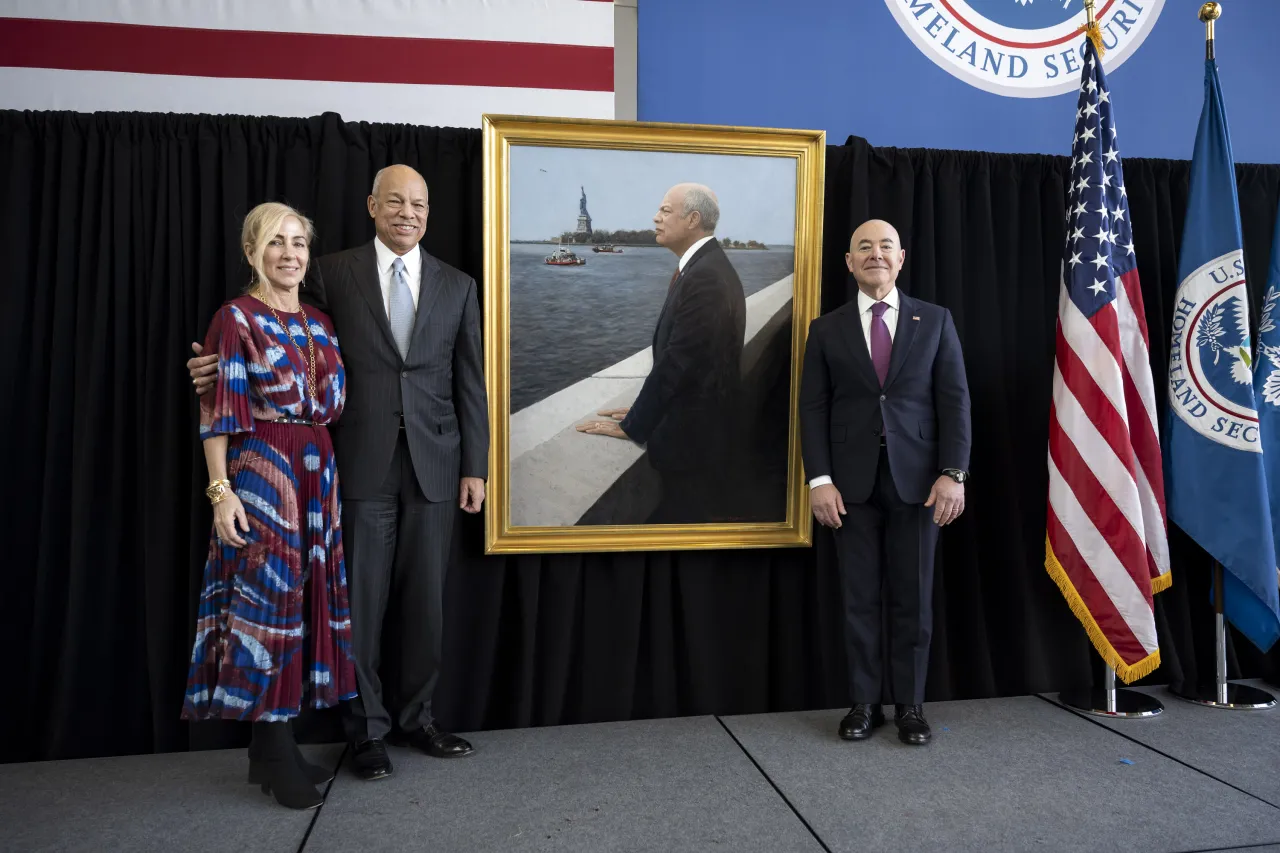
274 625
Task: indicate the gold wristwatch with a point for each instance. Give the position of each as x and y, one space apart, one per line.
218 490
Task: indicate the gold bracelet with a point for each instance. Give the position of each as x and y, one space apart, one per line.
217 491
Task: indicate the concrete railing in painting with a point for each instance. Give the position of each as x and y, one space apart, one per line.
562 477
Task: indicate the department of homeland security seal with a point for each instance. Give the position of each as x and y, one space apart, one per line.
1210 360
1021 48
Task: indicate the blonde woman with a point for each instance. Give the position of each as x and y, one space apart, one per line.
274 626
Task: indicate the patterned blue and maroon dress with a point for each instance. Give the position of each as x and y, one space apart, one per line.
274 627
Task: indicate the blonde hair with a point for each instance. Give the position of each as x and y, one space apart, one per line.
260 226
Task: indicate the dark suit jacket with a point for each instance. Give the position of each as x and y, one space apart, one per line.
924 404
686 412
439 387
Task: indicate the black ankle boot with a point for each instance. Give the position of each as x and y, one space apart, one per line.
272 761
316 774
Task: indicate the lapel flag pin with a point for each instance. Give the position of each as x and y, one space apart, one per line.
914 317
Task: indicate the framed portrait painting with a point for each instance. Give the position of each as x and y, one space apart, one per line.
648 288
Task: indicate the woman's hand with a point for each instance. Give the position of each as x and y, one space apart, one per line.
228 513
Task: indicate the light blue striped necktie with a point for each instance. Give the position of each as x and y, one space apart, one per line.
401 311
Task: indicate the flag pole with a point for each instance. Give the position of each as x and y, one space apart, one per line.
1222 693
1091 29
1107 701
1209 13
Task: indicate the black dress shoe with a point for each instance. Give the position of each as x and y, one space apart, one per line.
369 760
860 721
913 728
434 742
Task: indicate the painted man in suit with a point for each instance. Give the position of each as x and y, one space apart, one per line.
413 440
885 431
686 414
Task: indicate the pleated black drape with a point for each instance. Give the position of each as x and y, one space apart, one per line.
118 236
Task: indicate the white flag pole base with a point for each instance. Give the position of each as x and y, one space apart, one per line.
1222 693
1107 701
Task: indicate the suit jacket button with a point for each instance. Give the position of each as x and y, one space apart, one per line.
404 374
882 398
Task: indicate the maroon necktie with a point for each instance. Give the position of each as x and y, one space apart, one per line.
675 275
881 343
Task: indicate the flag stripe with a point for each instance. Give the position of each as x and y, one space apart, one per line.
1139 390
1132 298
1087 467
546 21
1114 585
1097 360
94 46
1079 573
1095 405
445 106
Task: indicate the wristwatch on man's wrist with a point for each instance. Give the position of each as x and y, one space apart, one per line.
956 474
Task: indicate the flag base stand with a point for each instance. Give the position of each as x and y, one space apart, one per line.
1235 697
1107 701
1222 693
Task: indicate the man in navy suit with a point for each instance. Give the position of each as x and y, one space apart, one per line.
885 433
687 412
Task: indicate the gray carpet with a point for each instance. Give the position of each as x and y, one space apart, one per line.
1240 747
1008 774
197 801
661 785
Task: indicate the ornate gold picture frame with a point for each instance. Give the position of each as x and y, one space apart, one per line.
596 324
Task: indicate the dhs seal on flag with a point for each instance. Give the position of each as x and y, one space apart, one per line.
1210 359
1021 48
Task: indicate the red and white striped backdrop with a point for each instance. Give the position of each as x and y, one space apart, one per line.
428 62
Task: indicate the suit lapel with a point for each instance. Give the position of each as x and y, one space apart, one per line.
662 315
428 293
702 252
671 295
904 336
366 276
855 341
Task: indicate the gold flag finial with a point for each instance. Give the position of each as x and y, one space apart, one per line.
1209 13
1091 28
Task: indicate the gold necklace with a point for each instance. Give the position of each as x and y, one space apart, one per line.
311 346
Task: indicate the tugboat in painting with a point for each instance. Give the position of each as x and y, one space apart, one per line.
563 257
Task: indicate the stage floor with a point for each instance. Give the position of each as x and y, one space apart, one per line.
1001 775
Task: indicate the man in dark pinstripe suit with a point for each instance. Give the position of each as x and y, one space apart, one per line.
414 437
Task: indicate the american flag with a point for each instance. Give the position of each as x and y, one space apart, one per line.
427 62
1106 545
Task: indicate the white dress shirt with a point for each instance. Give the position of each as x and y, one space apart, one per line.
890 318
412 271
693 250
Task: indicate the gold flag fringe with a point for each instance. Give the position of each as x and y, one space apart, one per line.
1128 673
1094 33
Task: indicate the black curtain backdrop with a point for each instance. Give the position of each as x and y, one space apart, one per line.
118 235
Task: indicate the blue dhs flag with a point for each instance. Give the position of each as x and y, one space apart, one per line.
1266 387
1215 482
